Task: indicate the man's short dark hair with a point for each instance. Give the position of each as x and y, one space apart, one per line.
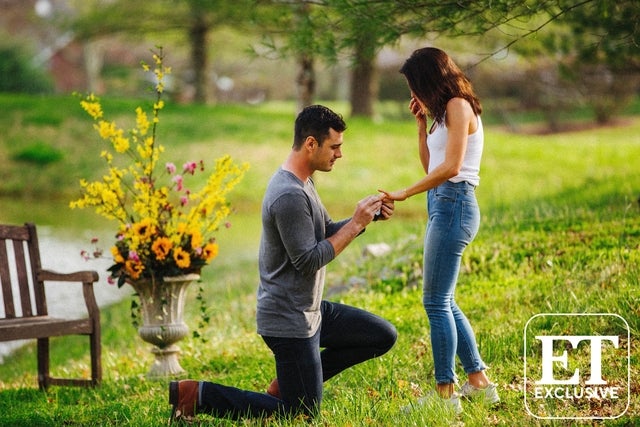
316 120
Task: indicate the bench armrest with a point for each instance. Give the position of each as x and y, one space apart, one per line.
78 276
87 277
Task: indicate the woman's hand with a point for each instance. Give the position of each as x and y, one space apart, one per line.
415 107
417 110
394 195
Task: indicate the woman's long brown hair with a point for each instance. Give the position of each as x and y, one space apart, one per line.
434 78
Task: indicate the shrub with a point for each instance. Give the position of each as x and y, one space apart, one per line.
18 75
38 153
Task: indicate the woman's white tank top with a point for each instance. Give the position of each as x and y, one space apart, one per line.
470 170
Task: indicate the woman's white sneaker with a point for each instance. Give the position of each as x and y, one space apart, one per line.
433 399
489 394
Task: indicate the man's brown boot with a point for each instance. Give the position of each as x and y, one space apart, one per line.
274 389
183 397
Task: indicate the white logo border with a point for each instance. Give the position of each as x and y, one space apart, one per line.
628 366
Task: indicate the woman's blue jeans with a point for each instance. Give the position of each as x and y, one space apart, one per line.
346 337
454 219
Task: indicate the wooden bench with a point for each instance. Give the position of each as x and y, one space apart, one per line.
25 313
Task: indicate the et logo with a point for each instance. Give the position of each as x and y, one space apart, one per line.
577 366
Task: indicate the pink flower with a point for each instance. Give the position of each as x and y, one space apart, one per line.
178 180
171 168
184 200
110 280
133 256
189 167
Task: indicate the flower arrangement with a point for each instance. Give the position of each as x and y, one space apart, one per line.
165 227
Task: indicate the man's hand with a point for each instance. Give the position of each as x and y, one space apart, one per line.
386 211
366 209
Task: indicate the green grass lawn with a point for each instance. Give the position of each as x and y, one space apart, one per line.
560 234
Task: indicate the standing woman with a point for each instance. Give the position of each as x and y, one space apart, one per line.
450 154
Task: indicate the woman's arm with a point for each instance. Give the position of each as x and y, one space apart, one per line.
460 118
421 121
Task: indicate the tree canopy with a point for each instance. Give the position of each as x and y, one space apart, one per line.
596 31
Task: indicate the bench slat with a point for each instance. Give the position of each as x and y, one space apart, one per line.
14 232
34 255
42 327
23 279
5 278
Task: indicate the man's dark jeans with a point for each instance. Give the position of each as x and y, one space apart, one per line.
347 336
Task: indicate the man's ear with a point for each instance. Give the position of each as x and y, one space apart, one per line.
310 143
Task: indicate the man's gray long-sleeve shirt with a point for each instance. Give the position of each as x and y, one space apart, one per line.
292 259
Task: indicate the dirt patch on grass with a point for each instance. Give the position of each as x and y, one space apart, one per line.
567 127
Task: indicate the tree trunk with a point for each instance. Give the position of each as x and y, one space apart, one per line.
363 81
306 78
199 58
305 81
93 62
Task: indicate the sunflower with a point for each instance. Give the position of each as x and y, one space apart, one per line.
117 257
182 258
161 247
210 251
133 268
144 229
